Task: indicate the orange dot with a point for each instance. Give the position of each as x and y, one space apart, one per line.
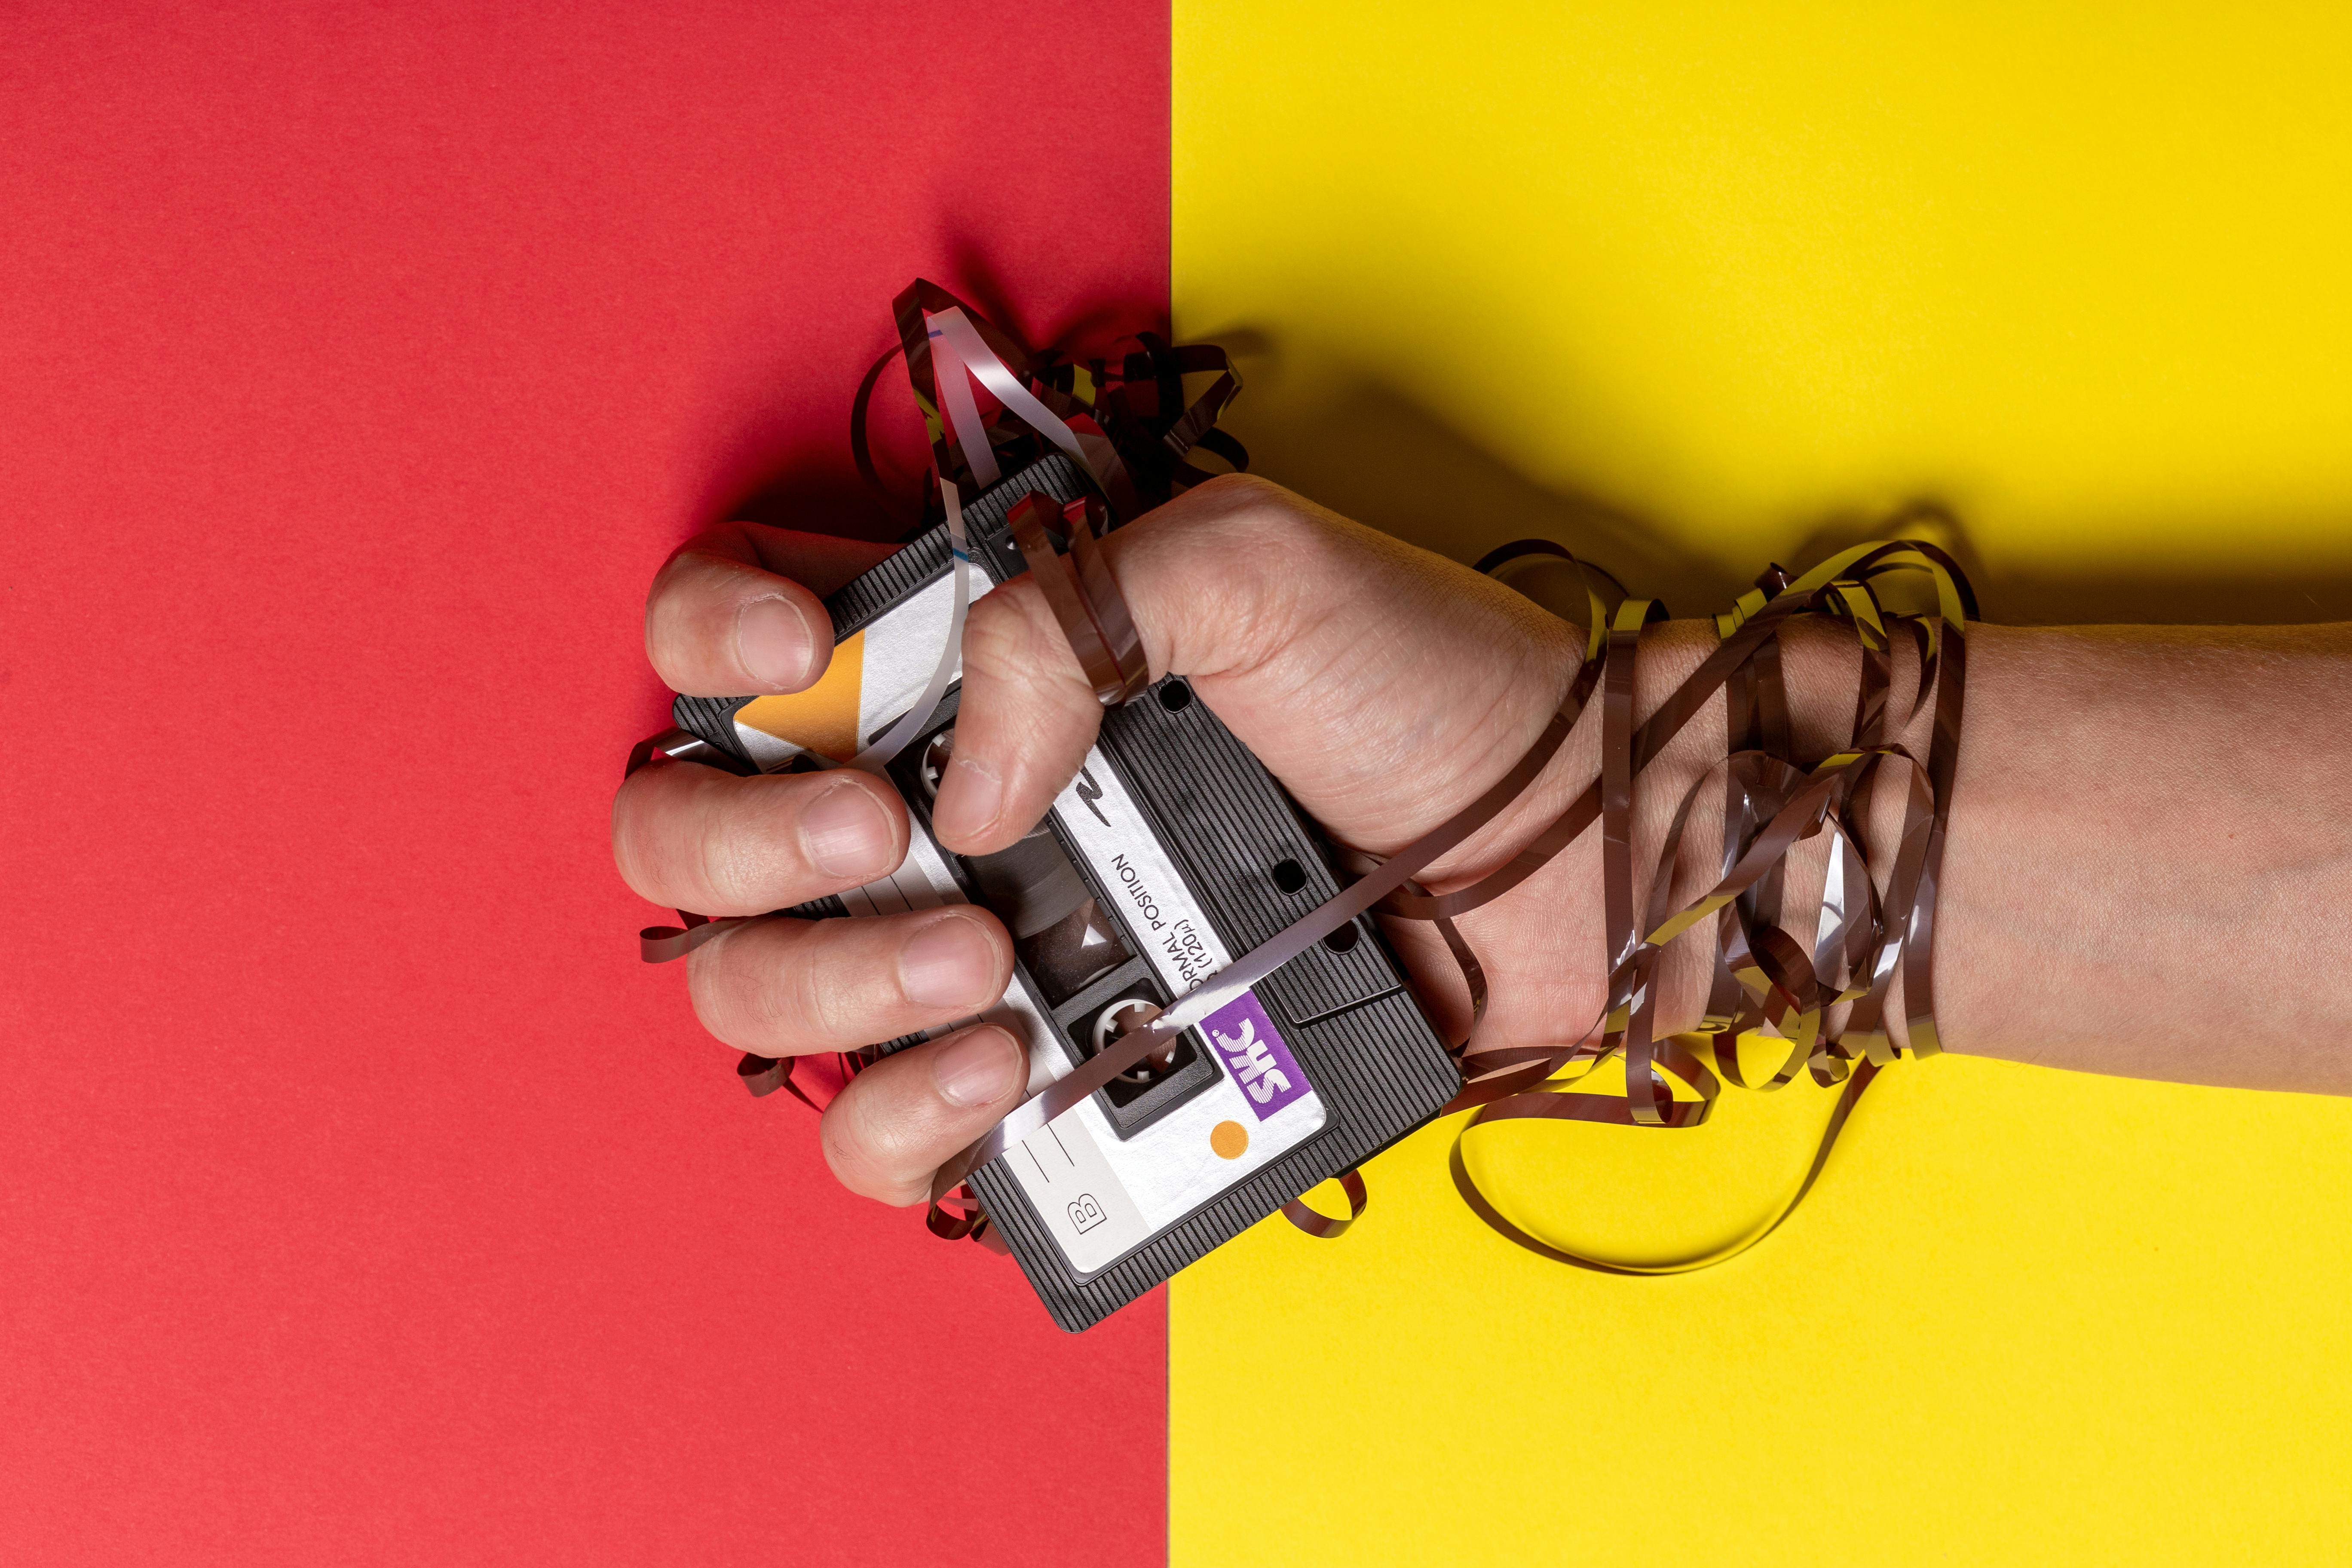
1229 1139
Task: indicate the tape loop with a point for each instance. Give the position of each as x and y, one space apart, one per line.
1128 424
1321 1225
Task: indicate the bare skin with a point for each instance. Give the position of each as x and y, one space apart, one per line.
2148 873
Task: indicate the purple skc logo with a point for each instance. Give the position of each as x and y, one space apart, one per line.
1252 1052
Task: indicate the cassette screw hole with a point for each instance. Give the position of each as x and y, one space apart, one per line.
1175 696
1344 939
1289 876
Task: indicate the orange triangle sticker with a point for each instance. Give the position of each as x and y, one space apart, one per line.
824 718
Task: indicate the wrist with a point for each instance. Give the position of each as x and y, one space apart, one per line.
1552 921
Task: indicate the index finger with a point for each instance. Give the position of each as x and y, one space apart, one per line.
737 611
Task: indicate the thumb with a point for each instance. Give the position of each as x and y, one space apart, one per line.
1370 678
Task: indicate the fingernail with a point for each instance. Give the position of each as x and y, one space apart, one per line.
772 642
979 1068
844 832
949 963
970 797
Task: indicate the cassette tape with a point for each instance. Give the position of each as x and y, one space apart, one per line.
1171 851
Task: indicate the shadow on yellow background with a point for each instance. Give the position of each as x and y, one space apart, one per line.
1369 451
1688 291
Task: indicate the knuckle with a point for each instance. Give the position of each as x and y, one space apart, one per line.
1003 632
1230 582
1254 521
781 986
1283 532
748 984
786 999
995 629
814 997
1018 645
1228 491
724 868
721 845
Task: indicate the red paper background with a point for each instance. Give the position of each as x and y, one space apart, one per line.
365 1199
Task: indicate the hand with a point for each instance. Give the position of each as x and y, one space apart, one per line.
1384 687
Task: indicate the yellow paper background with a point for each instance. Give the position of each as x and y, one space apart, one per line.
1690 288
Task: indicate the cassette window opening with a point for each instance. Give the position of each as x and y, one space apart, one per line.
1075 951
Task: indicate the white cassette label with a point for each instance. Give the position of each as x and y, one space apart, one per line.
1077 1193
1262 1105
1101 1196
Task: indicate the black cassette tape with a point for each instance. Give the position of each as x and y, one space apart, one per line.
1171 853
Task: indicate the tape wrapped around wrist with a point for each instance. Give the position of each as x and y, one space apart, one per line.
1766 983
1825 1001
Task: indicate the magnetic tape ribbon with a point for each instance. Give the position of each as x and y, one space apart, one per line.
1766 984
1133 430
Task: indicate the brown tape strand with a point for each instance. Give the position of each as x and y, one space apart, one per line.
1784 987
1321 1225
1502 1226
1130 422
1775 986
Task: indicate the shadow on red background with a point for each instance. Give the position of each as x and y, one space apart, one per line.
365 1200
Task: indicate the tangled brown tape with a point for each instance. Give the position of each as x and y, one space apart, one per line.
1128 426
1766 983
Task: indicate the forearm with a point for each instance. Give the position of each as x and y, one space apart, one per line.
2149 867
